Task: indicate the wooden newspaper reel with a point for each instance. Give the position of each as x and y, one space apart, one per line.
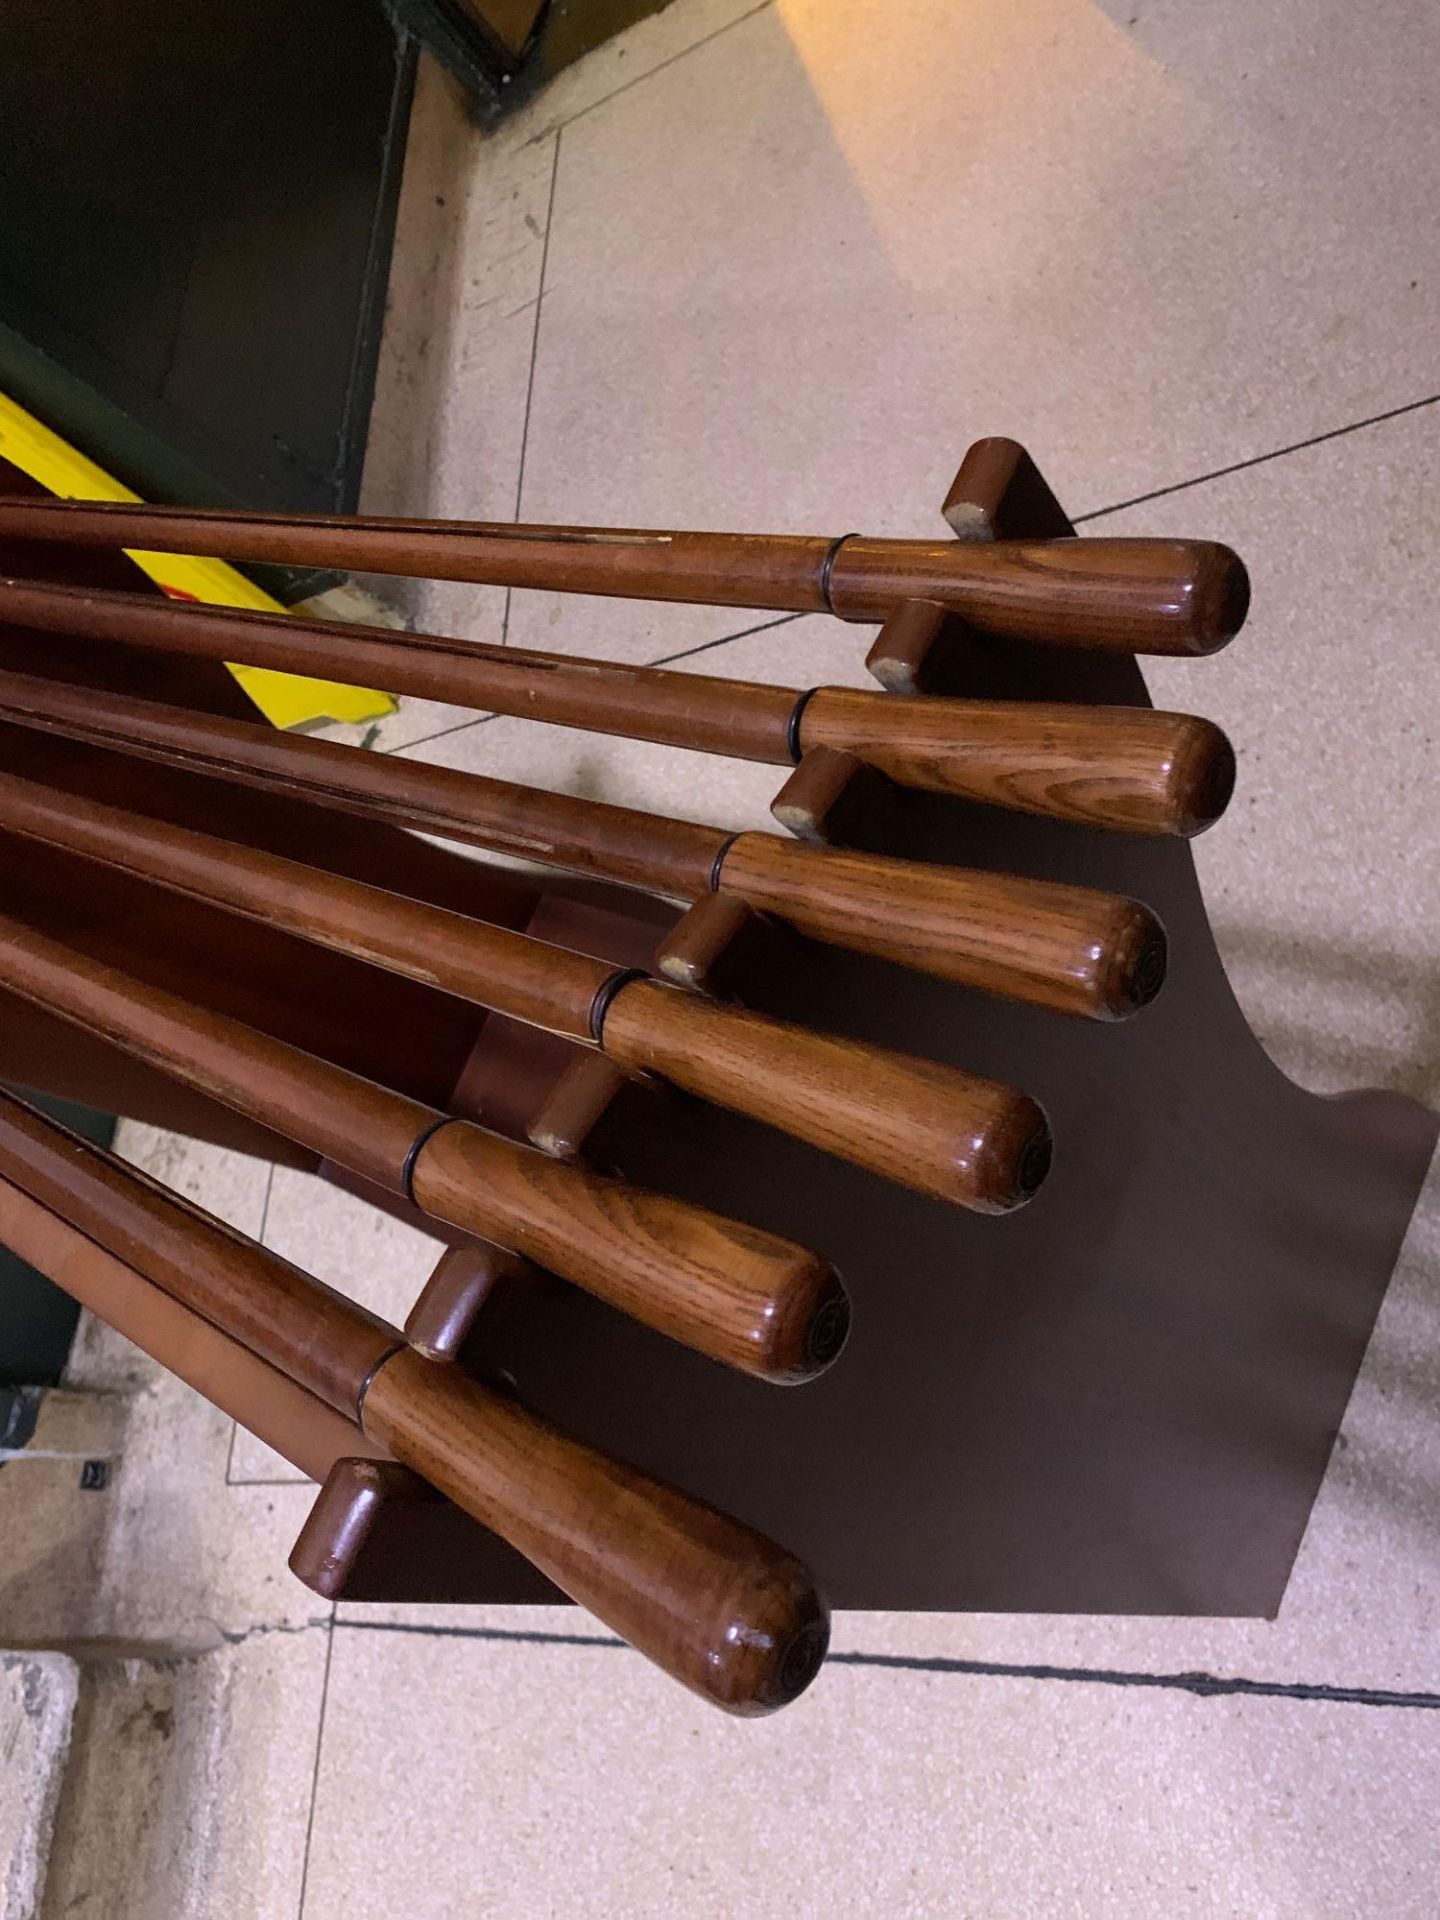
1120 1400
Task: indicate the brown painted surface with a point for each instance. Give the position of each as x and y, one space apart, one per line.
1120 1400
320 1339
493 966
301 1428
939 1129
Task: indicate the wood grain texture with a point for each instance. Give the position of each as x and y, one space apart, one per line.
300 1427
929 1127
722 1608
543 985
969 1139
743 1297
1153 773
307 1330
531 823
1122 767
1073 949
717 1605
747 720
1160 596
1086 955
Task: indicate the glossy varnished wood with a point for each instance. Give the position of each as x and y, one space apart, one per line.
746 1298
715 1604
1123 1403
323 1341
464 1278
1147 772
722 1608
929 1127
935 1128
302 1428
1158 596
1070 948
1060 947
542 985
1122 767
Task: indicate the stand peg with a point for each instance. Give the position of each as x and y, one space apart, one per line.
828 796
715 945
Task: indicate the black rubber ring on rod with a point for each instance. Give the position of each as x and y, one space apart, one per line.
600 1006
425 1135
724 848
792 725
389 1354
827 566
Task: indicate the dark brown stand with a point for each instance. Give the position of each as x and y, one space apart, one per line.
1120 1400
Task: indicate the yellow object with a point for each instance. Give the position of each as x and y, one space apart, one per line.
285 699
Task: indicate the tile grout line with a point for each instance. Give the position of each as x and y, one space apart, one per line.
1204 1685
534 357
1259 459
1079 519
650 73
315 1773
664 660
764 626
235 1424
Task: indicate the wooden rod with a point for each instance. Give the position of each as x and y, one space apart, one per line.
933 1128
1135 596
1121 767
1073 949
714 1603
300 1427
744 1297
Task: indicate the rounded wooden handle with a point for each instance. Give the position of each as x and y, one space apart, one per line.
717 1605
1072 949
744 1297
929 1127
1124 767
1122 596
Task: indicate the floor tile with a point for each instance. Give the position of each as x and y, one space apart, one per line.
1323 878
625 60
188 1792
547 1780
55 1542
846 250
251 1463
188 1559
375 1260
37 1707
453 384
1372 1531
231 1185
